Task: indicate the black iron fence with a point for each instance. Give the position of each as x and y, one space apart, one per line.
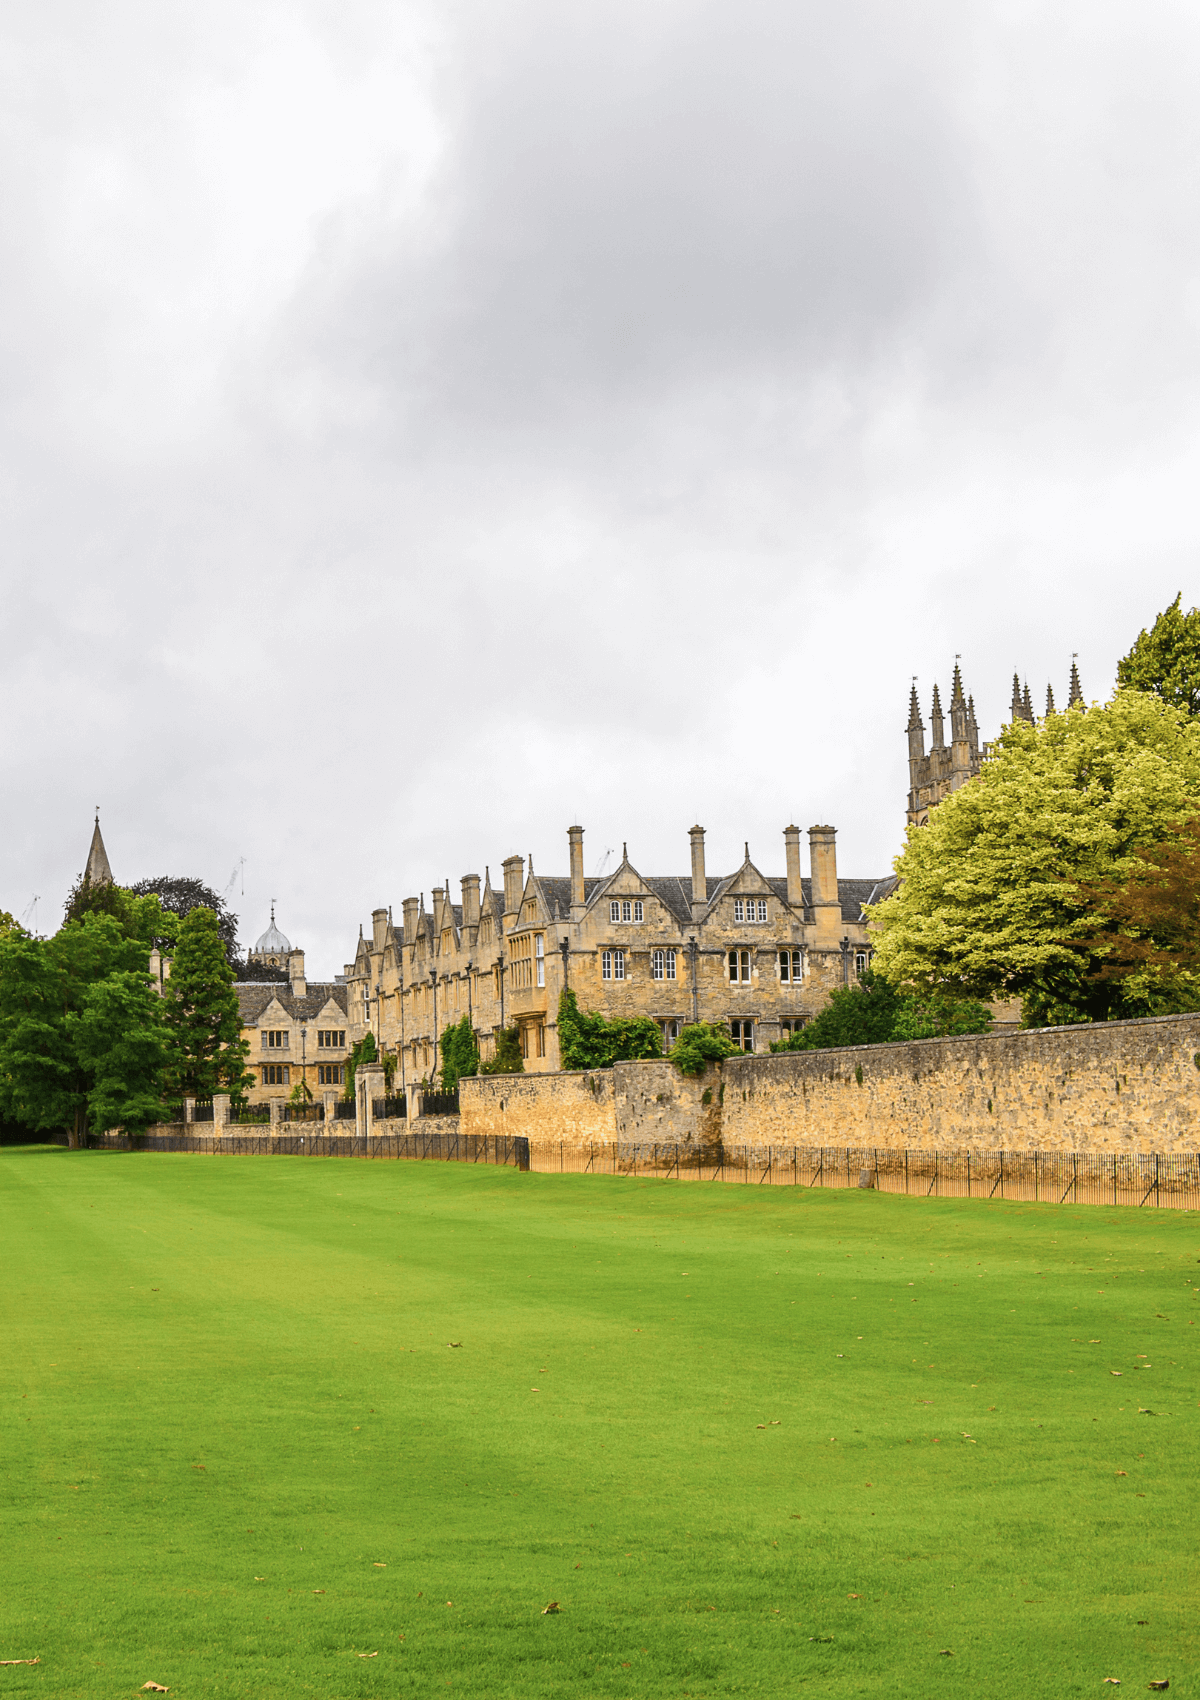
344 1110
202 1110
249 1115
439 1103
389 1109
1169 1179
435 1147
304 1112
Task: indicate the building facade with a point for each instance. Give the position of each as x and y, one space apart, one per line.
297 1032
757 953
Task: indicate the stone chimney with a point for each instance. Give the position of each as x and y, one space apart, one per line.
295 963
578 897
514 883
699 883
379 918
411 908
827 910
470 901
795 890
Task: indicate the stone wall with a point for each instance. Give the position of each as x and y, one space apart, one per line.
1114 1086
576 1108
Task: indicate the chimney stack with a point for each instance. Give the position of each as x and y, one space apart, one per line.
795 889
378 927
470 900
578 896
412 908
514 883
699 883
296 974
827 910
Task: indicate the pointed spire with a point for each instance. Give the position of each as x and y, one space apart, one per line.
1018 708
747 844
914 712
1076 693
936 719
624 851
1027 704
956 687
1049 701
97 871
971 722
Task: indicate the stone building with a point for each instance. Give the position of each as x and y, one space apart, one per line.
947 766
297 1032
757 953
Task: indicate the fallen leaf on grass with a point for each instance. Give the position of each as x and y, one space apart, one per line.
1114 1372
1158 1685
378 1566
552 1607
454 1343
1122 1472
854 1596
20 1661
199 1466
1115 1680
946 1653
318 1590
824 1638
368 1655
757 1425
155 1688
260 1578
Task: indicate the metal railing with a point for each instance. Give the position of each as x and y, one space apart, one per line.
439 1103
388 1109
1168 1179
303 1112
202 1110
249 1115
443 1148
344 1110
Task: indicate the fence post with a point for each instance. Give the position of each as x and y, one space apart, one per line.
220 1113
277 1108
189 1109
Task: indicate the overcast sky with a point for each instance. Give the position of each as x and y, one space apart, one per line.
428 425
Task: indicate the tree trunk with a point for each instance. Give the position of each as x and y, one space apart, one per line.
79 1129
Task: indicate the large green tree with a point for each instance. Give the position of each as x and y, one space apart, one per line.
1165 661
874 1012
80 1028
208 1053
994 896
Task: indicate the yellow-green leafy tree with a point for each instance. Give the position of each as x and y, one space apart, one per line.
998 894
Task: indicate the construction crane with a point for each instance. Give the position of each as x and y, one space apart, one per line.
31 909
239 873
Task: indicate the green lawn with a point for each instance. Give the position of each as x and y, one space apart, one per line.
239 1452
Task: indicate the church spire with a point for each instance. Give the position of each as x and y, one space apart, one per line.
1049 701
97 871
1017 707
1027 707
1076 693
935 716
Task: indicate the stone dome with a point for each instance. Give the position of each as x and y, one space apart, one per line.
272 942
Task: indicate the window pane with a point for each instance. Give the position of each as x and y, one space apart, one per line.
762 908
656 964
614 911
733 960
626 910
637 912
619 964
670 965
737 909
607 969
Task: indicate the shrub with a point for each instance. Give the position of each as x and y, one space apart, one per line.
699 1044
587 1039
507 1057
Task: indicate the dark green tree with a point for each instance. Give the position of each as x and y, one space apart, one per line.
874 1012
51 1057
178 895
121 1037
700 1043
1165 661
459 1053
507 1058
587 1039
208 1053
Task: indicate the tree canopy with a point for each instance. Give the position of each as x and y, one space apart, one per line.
874 1012
996 892
1165 661
81 1032
208 1053
179 894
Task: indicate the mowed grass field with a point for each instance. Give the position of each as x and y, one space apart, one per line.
752 1442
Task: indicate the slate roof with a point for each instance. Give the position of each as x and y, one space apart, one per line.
254 998
674 892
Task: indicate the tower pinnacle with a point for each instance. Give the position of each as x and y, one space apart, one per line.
98 871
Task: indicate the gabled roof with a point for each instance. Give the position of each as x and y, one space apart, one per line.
254 999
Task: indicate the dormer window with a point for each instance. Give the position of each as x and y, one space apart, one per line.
626 909
750 909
